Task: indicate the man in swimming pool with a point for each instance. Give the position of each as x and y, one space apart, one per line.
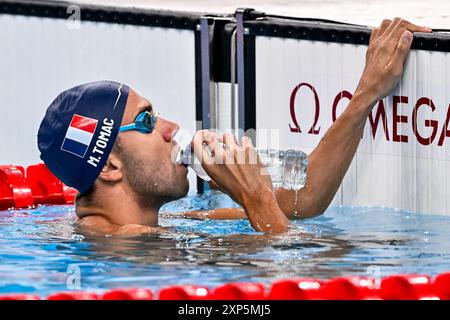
106 141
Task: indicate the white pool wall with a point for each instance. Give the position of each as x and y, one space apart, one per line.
41 57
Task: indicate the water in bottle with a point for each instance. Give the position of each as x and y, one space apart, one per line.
287 168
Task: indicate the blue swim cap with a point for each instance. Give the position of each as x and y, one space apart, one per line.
79 130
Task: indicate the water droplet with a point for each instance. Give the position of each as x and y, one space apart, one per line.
295 203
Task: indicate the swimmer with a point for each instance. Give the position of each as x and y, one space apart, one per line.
109 143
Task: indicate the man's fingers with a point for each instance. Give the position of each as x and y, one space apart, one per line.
401 52
404 44
229 140
384 25
398 26
246 142
374 34
412 27
214 144
199 148
398 32
207 144
251 156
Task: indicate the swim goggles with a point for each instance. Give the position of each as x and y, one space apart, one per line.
145 122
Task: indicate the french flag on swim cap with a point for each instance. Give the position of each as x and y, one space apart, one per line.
79 135
70 129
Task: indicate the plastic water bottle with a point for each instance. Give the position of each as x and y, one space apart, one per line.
287 168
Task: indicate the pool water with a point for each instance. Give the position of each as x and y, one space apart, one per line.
43 251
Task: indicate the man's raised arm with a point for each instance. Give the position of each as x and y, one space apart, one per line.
388 48
267 209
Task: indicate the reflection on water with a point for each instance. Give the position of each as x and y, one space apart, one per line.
38 245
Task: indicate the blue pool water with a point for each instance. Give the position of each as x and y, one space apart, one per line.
42 250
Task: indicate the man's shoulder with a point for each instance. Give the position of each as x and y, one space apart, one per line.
96 224
101 226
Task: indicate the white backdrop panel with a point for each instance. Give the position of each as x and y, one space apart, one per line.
41 57
404 166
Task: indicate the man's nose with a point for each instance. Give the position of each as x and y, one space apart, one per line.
167 128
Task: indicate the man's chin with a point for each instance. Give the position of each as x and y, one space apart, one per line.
181 190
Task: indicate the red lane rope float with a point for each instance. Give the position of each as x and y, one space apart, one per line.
14 189
441 286
351 288
37 186
185 293
395 287
407 287
20 297
295 289
128 294
76 295
239 291
46 188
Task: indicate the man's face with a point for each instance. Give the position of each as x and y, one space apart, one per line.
146 157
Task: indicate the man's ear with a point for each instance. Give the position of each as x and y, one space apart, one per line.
112 170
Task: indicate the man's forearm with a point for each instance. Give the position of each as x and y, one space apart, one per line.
385 57
329 161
